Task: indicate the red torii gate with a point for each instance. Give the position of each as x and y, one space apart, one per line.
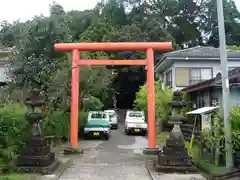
149 47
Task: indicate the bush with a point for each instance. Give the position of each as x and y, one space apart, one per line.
56 123
162 99
93 104
14 130
82 122
235 118
214 138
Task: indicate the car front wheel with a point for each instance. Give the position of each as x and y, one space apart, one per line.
107 137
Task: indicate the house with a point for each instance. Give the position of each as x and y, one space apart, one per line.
5 55
209 92
182 68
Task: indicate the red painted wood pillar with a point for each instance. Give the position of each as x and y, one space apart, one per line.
151 99
74 101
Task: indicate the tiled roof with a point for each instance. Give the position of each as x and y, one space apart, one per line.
202 51
197 53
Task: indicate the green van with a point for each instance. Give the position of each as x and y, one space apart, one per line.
98 125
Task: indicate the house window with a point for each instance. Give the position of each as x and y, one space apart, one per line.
169 78
200 74
182 76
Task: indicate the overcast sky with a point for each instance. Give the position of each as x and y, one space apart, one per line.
25 9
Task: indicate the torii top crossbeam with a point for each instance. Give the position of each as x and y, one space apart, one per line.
121 46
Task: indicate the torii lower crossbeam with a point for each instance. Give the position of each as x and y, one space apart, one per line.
149 47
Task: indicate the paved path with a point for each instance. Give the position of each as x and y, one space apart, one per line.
119 158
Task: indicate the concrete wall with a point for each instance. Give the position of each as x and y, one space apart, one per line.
3 75
216 94
4 58
234 96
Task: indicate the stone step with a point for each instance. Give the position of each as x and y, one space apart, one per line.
164 160
49 169
175 169
36 160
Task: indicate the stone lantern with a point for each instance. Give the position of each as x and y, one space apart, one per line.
36 157
174 157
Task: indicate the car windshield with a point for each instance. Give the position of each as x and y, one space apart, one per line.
135 114
98 116
111 113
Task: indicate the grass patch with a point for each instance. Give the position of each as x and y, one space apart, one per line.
18 177
161 138
205 160
213 169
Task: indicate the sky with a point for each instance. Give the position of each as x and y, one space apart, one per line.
23 10
11 10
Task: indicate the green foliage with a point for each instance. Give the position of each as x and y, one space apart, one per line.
187 100
56 123
82 122
92 104
162 99
162 138
235 118
18 177
35 64
14 130
214 138
99 32
193 151
235 48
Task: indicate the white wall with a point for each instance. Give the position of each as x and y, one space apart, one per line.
216 66
3 75
173 75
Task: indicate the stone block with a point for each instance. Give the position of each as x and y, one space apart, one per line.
36 160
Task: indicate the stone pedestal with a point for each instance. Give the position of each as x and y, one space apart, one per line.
150 151
36 157
174 157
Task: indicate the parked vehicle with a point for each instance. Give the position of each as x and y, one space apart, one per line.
97 125
113 118
135 122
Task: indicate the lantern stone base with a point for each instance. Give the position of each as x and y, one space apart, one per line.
151 151
36 157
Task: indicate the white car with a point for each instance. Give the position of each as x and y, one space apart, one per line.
113 118
135 122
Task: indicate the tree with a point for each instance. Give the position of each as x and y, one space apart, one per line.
36 64
186 23
232 23
162 100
